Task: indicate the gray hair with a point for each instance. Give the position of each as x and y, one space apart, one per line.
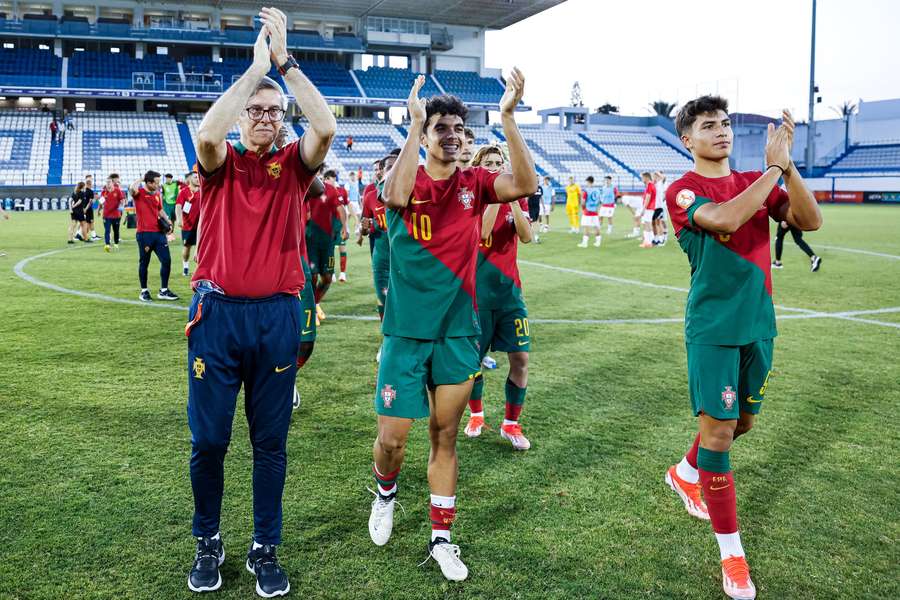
267 83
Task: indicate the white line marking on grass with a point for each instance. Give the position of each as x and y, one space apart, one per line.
857 251
851 315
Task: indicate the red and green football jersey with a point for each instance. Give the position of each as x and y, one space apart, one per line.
730 300
433 256
323 213
497 278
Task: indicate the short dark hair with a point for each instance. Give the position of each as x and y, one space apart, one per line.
647 175
590 179
394 152
113 175
329 174
688 113
445 104
149 176
470 134
167 175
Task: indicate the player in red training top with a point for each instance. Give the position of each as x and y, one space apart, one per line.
187 210
649 208
431 323
721 218
113 199
501 306
152 227
327 222
245 317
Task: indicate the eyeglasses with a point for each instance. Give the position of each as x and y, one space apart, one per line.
256 113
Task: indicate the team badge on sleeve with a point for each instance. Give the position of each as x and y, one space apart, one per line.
728 397
466 198
387 395
685 199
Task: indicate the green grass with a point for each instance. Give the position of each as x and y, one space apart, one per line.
95 499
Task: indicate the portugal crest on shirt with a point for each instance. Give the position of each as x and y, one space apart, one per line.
387 395
274 169
466 198
728 397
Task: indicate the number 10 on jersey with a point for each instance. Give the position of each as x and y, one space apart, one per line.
421 226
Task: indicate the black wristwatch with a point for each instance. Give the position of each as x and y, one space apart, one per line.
290 63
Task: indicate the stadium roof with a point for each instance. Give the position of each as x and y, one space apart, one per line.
492 14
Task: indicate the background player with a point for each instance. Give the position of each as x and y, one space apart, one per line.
324 212
468 149
590 221
546 204
501 306
187 210
113 199
339 223
535 208
649 206
430 323
721 218
151 217
573 204
608 195
814 261
660 230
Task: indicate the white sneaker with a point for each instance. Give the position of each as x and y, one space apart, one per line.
381 520
488 363
582 245
296 398
513 433
342 277
597 242
378 356
447 557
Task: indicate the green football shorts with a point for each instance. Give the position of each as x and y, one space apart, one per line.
409 366
504 330
727 380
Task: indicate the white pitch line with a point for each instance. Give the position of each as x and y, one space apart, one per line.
852 315
857 251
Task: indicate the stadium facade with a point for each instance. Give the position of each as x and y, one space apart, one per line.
135 77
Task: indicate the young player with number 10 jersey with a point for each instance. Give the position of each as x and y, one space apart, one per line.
721 218
431 323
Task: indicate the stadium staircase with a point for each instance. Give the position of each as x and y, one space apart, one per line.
597 147
184 133
55 164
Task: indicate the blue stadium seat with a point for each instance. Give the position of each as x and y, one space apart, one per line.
392 84
29 66
470 86
880 158
114 71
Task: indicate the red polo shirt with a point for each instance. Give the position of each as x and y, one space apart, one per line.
190 208
147 207
251 222
112 203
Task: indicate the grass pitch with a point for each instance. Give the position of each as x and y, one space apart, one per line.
95 498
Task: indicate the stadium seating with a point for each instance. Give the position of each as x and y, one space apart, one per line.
193 123
126 143
372 139
390 83
89 69
24 147
880 159
642 151
28 66
470 87
561 153
331 78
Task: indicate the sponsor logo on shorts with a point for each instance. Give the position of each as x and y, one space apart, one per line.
388 394
522 343
282 369
751 400
306 332
199 368
728 397
685 199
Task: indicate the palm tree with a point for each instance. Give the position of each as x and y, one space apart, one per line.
847 109
663 108
607 109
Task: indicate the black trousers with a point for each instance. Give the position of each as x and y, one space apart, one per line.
798 239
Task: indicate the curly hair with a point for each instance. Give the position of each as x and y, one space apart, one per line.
688 113
444 105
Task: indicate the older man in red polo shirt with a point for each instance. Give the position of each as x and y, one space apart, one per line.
245 318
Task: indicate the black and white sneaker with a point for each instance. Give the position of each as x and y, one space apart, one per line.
814 263
205 576
166 294
296 403
777 264
271 580
145 296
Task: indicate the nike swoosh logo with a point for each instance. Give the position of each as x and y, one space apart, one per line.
305 331
523 343
420 201
282 369
752 401
718 488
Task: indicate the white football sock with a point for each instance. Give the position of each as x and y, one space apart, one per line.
508 422
185 264
687 472
648 237
730 544
584 240
477 414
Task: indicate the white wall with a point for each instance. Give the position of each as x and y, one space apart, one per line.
468 44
